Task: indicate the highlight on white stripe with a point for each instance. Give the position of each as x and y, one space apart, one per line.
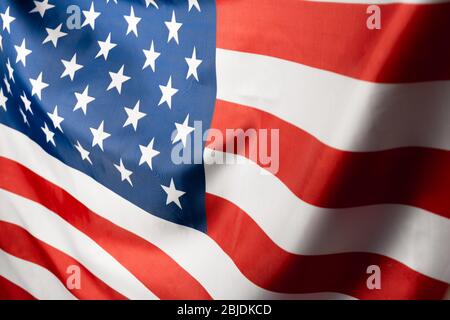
36 280
193 250
55 231
342 112
416 237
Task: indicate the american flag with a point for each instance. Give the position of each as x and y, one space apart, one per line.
96 96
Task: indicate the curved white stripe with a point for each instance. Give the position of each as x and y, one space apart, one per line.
36 280
410 235
342 112
55 231
193 250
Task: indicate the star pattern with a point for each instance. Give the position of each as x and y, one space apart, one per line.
38 85
173 27
193 64
151 2
124 172
105 47
183 130
70 67
84 154
53 35
148 153
150 57
167 93
56 119
83 99
132 21
22 53
118 79
49 135
7 19
3 100
99 135
134 115
90 17
41 7
194 3
89 96
26 102
173 195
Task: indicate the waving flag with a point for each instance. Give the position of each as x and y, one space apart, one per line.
229 149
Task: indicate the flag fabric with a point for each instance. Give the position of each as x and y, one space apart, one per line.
229 149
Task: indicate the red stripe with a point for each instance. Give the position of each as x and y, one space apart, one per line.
20 243
327 177
272 268
411 45
154 268
10 291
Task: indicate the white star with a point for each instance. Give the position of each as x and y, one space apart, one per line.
7 19
98 135
148 153
134 115
117 79
83 99
151 2
105 47
54 35
124 173
195 4
150 57
183 130
193 64
3 99
10 70
167 93
71 67
22 53
8 87
83 153
173 27
56 119
115 1
48 134
173 195
24 117
41 7
132 21
38 86
26 102
90 16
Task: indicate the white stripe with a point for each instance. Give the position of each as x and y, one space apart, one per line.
55 231
342 112
37 281
412 236
193 250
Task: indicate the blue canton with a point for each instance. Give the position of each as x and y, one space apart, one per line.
113 97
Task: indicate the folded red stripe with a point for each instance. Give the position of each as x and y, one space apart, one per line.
411 45
328 177
20 243
153 267
10 291
272 268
